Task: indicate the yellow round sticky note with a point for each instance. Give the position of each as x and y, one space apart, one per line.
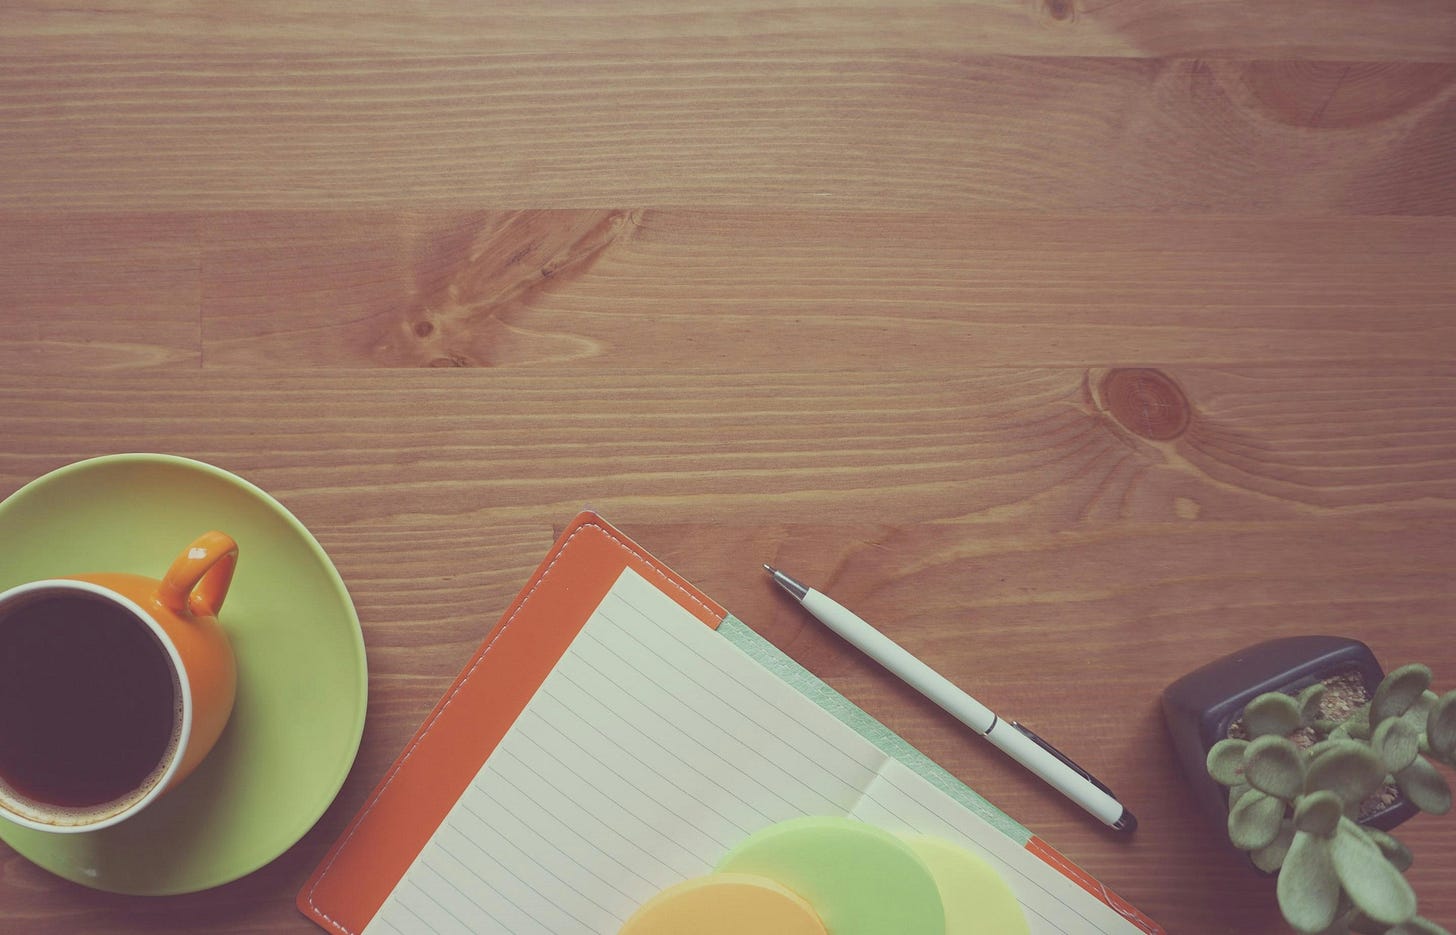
860 879
725 904
977 901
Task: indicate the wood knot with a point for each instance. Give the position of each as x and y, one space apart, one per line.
1059 10
1333 95
423 329
1146 402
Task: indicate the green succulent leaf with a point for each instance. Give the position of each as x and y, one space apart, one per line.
1237 792
1420 711
1342 924
1347 768
1398 691
1319 813
1397 853
1271 857
1441 728
1272 713
1308 887
1253 821
1274 766
1358 921
1425 787
1357 723
1397 743
1226 761
1372 882
1308 702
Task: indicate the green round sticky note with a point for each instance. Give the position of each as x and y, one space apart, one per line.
977 901
860 879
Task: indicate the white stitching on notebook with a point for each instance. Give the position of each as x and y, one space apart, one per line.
404 758
1078 875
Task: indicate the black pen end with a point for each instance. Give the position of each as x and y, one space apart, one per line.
1127 823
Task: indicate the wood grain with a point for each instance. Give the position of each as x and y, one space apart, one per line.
1423 30
655 288
100 292
893 130
1074 343
893 447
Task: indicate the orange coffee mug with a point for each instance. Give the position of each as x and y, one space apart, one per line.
113 687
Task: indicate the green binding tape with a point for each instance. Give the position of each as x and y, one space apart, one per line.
847 712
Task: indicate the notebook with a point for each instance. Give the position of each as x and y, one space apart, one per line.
618 732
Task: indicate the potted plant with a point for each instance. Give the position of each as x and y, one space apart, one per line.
1311 796
1204 706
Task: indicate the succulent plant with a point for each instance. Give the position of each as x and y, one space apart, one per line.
1295 806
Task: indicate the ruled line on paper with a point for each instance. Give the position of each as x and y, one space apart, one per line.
718 708
651 748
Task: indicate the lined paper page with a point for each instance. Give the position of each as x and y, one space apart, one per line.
652 748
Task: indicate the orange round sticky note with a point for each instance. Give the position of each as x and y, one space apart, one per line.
977 901
725 904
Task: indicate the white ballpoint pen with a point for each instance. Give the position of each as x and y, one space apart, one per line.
1015 741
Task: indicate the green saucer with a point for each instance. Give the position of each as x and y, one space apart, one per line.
302 678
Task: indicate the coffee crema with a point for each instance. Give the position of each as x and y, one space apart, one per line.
90 707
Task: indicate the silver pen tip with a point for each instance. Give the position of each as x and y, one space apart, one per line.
768 568
787 583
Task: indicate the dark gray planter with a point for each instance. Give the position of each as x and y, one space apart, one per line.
1201 705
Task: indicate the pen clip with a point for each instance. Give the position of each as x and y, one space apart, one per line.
1031 735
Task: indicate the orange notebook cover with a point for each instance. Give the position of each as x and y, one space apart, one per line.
455 743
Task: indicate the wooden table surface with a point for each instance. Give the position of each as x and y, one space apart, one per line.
1076 343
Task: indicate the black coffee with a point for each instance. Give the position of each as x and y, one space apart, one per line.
88 702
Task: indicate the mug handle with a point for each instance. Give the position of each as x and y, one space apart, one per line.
198 579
